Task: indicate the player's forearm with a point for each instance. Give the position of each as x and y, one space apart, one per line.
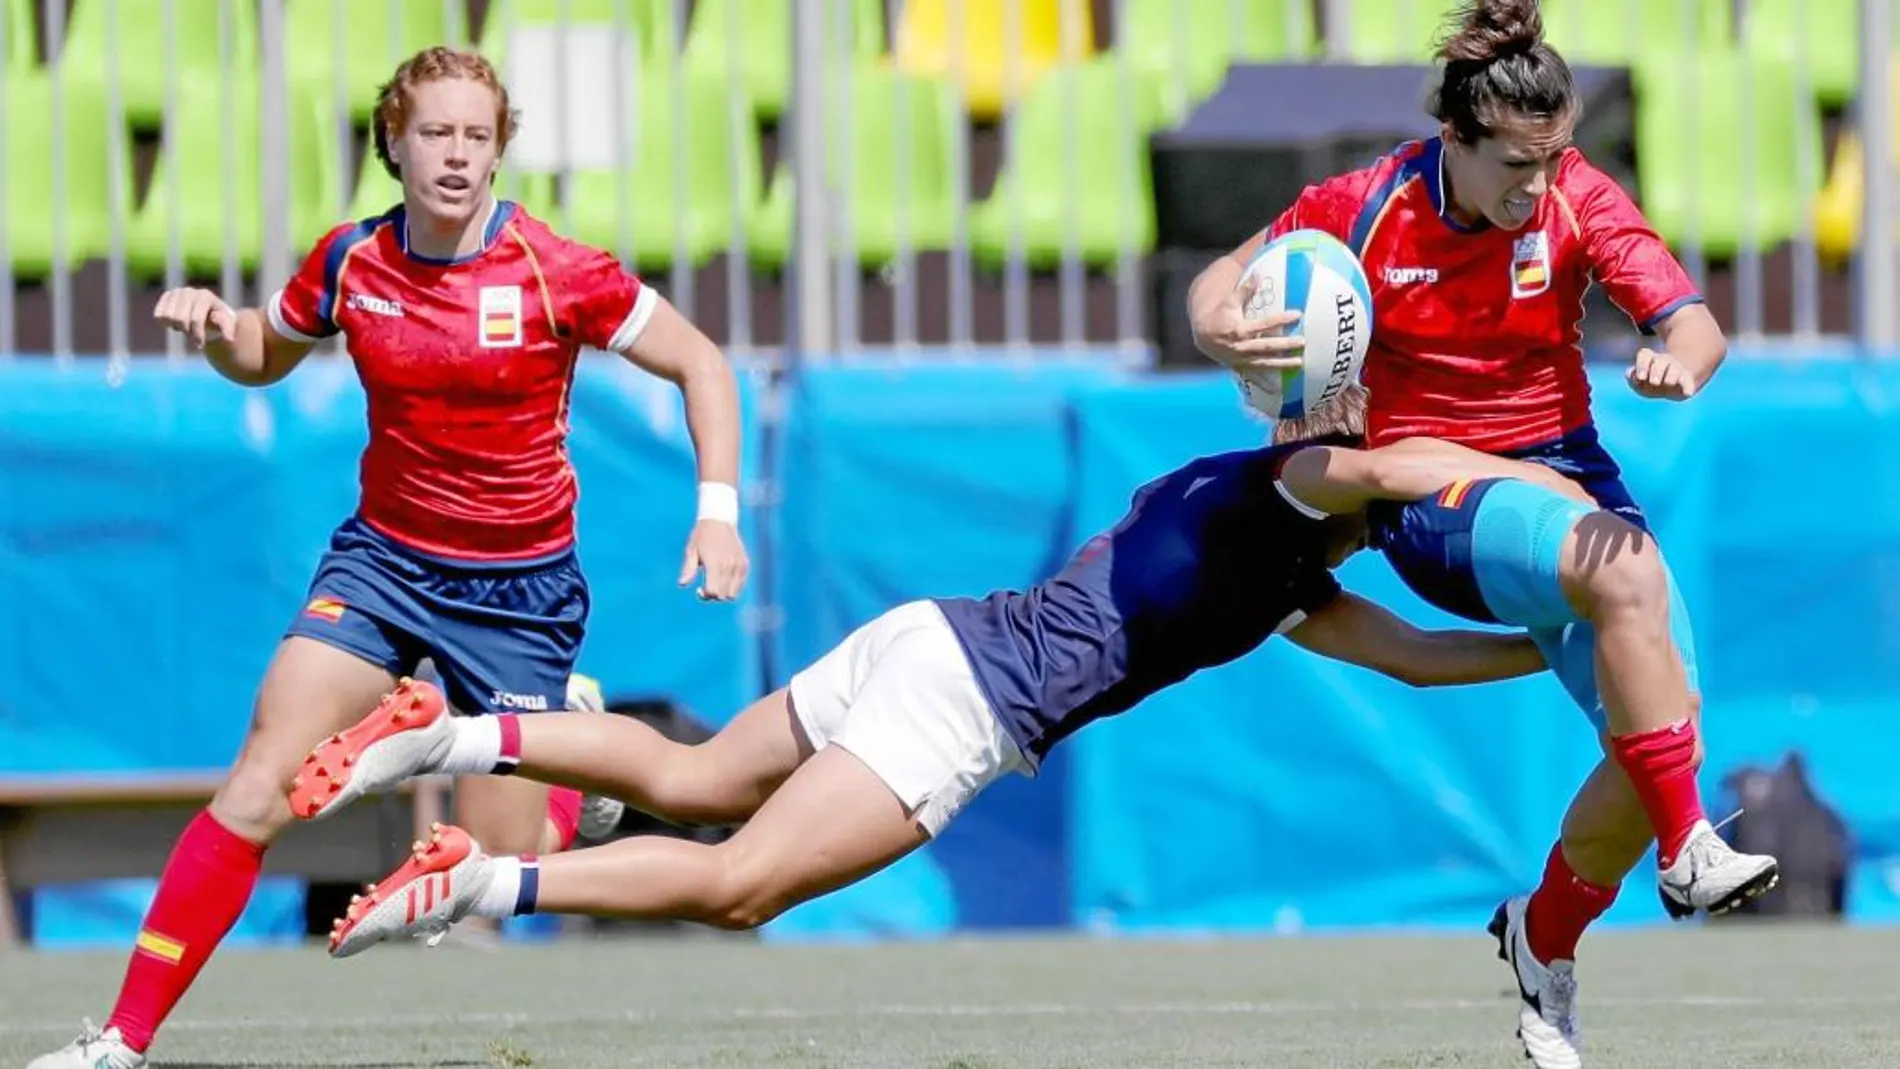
712 417
241 357
1695 340
1455 658
1416 468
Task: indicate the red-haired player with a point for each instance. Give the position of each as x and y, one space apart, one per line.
464 317
1479 244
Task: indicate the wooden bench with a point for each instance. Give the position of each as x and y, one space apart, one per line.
71 829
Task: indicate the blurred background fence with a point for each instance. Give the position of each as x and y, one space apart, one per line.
1020 189
994 172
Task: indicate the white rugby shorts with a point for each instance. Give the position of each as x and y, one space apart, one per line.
898 693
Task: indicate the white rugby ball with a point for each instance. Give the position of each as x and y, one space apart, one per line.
1315 274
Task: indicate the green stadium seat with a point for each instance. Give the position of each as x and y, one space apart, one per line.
1619 32
88 186
22 51
894 118
141 50
1187 45
219 188
756 37
377 35
1823 33
1722 141
707 187
1395 31
1077 157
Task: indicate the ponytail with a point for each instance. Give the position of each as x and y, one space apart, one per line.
1496 69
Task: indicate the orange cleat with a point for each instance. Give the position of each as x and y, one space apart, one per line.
408 729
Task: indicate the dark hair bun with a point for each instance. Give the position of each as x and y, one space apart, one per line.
1485 30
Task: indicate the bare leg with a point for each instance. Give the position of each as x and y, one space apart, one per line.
720 781
832 823
1614 575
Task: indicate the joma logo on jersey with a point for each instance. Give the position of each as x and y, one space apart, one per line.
527 703
1406 276
381 306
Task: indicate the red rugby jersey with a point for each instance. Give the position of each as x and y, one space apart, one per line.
467 366
1477 331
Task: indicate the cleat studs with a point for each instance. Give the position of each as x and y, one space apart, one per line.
349 760
312 809
321 771
336 784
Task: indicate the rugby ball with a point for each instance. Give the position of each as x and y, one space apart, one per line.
1315 274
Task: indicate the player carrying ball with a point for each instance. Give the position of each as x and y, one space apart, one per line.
1479 244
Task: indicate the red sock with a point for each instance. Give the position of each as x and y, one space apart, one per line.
564 812
206 885
1661 765
1561 908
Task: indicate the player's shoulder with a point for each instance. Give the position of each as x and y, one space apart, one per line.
353 232
1351 189
557 252
1581 180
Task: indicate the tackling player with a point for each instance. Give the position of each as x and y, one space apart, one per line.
874 748
1479 244
464 317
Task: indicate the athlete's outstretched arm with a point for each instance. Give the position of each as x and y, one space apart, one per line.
238 343
672 348
1693 346
1342 481
1351 629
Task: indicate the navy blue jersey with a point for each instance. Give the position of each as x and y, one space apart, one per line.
1210 561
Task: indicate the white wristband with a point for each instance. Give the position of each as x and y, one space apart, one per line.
719 501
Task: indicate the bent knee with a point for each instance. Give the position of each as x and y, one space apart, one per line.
749 895
252 799
1631 580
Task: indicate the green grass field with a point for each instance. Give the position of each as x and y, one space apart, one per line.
1717 998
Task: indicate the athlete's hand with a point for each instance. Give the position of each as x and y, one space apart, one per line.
1660 376
198 314
1242 343
716 546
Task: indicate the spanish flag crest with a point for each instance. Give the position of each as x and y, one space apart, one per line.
1530 265
500 317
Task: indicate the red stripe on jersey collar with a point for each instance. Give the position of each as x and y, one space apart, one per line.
499 212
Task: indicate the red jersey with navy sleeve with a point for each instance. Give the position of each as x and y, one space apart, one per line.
467 365
1478 329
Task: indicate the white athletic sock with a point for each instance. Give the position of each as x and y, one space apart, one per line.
475 747
508 878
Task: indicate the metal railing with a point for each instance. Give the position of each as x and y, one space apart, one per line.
779 267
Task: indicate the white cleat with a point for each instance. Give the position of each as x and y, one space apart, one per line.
1710 875
435 888
1547 994
600 816
93 1049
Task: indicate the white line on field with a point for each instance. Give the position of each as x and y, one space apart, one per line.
1042 1009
